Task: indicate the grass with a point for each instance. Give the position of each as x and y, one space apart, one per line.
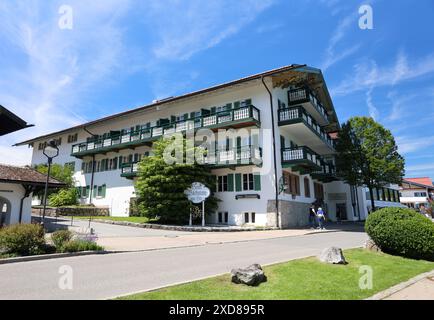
125 219
306 279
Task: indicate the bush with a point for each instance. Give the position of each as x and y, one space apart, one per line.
61 237
22 240
402 232
65 197
80 245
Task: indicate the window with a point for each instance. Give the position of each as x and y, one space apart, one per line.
246 217
249 217
100 191
292 183
420 194
223 217
248 182
72 138
307 187
222 183
319 191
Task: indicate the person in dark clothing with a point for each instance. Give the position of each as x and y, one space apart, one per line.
312 217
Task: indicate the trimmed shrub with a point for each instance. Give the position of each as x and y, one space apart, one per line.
22 240
80 245
402 232
61 237
65 197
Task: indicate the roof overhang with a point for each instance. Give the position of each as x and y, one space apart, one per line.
10 122
289 75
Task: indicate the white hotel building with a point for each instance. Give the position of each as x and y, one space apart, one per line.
296 167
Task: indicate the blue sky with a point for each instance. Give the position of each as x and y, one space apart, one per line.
123 54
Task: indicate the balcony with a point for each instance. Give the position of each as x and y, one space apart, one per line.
301 159
129 170
238 117
305 97
297 123
327 174
241 156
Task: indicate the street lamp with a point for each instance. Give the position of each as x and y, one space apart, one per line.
51 151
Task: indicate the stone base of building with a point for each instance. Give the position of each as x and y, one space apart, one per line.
292 214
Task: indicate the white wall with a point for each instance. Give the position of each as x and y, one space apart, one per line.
13 193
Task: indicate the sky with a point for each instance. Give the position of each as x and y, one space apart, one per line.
62 67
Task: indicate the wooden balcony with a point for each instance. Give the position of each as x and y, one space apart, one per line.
308 99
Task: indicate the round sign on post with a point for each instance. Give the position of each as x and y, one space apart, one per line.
198 193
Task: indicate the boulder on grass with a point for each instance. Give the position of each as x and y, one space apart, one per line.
251 276
332 255
370 245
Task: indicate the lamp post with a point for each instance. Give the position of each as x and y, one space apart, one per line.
51 151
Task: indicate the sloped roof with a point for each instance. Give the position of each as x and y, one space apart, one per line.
10 122
294 67
25 175
425 181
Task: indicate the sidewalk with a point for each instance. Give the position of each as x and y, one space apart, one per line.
191 240
420 287
421 290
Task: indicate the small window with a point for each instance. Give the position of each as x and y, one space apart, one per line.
220 217
222 183
246 217
253 217
248 182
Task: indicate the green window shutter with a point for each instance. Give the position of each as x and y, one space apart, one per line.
238 182
185 116
257 179
103 191
87 191
238 142
231 182
192 115
120 162
95 191
228 106
213 109
237 104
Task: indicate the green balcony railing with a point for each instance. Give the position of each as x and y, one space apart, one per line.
302 157
299 114
303 95
236 116
240 156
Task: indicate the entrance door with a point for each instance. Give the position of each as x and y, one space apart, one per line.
341 211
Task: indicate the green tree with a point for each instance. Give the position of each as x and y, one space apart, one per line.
367 155
160 186
61 197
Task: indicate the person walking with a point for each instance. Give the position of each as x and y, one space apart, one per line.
321 218
312 217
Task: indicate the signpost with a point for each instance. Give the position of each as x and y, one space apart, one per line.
198 193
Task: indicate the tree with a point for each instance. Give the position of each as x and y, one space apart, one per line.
160 186
64 196
367 155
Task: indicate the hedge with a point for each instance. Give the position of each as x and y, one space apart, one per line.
402 232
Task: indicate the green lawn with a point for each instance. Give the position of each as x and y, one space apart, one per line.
302 279
127 219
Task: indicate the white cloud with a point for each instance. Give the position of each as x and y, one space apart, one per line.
421 167
373 111
187 27
369 75
407 144
46 71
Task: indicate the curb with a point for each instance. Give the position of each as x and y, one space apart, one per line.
400 286
51 256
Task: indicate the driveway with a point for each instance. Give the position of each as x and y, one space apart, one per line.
104 276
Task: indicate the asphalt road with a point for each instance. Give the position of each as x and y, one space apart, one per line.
106 276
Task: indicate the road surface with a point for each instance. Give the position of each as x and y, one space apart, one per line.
111 275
